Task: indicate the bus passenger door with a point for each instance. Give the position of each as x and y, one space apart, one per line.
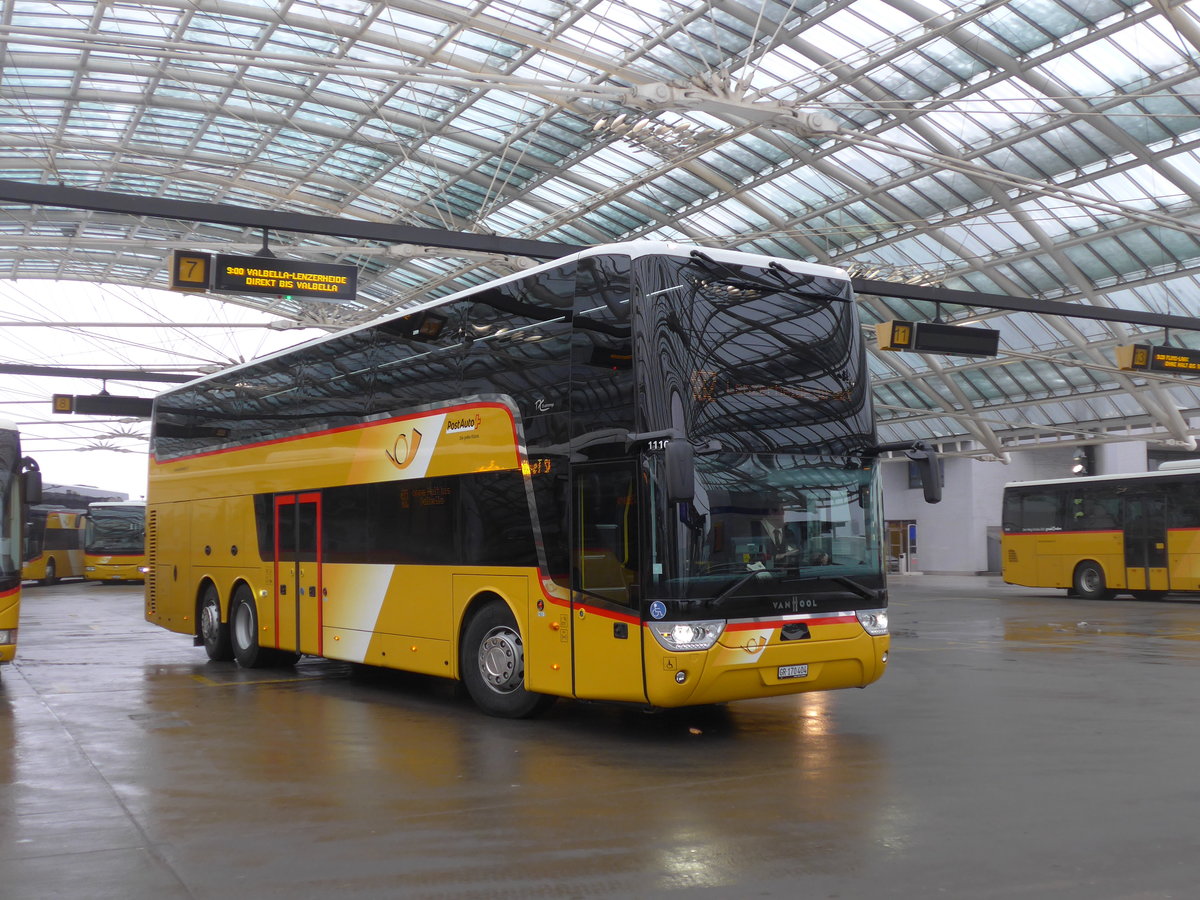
298 582
605 608
1146 543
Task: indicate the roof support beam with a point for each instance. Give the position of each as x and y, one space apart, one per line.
951 297
194 211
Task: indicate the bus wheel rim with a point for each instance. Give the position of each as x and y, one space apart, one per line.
243 625
501 660
210 621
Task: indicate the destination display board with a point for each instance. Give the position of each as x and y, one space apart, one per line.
283 277
937 337
1144 357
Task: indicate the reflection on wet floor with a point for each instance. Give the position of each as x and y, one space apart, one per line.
131 762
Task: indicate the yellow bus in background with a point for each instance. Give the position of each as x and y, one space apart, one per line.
115 542
53 544
642 473
20 484
1105 535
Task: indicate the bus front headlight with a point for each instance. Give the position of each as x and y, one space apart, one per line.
687 635
873 621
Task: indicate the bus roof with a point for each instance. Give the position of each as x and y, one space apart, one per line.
1108 479
632 249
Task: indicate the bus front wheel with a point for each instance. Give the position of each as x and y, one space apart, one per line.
214 632
1089 582
51 575
492 663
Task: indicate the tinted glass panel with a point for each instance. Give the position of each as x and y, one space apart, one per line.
481 519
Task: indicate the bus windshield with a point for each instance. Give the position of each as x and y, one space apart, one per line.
11 525
10 510
766 524
116 530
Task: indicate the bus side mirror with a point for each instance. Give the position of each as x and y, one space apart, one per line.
928 468
31 482
680 471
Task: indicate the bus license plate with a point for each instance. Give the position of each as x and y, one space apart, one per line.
793 671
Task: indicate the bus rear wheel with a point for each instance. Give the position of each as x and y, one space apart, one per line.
1089 581
243 635
213 632
492 662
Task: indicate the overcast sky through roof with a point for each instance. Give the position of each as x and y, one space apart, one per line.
103 452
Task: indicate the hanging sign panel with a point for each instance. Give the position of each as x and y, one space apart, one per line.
290 277
937 337
191 271
1144 357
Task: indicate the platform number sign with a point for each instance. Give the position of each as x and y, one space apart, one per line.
190 270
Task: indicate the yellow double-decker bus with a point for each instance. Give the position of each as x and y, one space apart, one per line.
641 473
115 542
20 484
1100 536
53 544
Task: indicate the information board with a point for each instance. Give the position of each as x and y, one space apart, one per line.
283 277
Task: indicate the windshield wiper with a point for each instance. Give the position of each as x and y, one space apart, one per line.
859 590
760 572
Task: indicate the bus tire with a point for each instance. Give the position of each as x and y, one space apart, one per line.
213 632
492 662
51 575
243 631
1089 581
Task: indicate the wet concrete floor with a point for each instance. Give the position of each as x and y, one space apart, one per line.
1023 744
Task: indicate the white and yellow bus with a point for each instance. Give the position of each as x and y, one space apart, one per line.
640 473
115 542
20 484
53 544
1105 535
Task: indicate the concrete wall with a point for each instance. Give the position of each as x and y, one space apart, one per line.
952 535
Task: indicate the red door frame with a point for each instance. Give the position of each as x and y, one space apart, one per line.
282 500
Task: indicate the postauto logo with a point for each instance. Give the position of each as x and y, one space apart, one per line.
464 423
405 449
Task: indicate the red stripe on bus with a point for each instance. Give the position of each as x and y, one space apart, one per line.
780 623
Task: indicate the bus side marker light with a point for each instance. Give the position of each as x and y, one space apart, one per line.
413 648
554 667
554 626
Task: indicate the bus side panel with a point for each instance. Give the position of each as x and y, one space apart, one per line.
1183 554
10 607
222 546
365 605
1048 559
170 594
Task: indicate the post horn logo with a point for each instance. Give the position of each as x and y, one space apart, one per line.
405 449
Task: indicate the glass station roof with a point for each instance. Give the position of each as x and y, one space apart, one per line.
1033 148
